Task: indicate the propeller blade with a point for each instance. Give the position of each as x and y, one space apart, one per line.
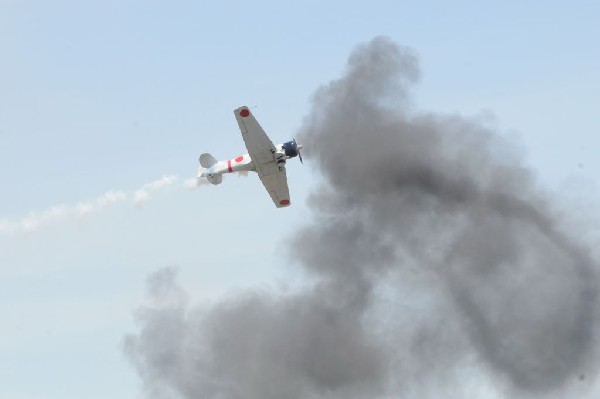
298 150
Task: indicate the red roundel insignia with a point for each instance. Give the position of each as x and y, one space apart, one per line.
244 113
284 202
239 159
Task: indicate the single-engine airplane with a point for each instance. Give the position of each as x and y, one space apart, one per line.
263 157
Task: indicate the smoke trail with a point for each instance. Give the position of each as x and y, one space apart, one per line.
80 211
60 213
141 196
433 211
195 182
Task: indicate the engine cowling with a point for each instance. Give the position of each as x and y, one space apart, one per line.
290 148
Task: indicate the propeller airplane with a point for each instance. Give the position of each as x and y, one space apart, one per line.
263 157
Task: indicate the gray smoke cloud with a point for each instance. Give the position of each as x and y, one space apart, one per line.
441 269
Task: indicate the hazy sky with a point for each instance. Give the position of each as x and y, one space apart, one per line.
98 99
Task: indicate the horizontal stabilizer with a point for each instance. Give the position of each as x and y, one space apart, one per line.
207 160
215 179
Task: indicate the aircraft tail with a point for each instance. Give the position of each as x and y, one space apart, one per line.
214 179
207 160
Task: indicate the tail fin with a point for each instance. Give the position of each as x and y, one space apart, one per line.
207 160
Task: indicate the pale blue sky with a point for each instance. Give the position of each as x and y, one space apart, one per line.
99 95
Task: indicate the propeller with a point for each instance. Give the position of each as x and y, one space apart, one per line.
298 148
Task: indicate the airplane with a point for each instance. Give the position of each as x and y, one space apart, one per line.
263 157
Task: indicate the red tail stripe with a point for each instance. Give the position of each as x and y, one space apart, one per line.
229 166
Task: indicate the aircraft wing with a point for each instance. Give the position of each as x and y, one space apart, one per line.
261 150
276 185
259 145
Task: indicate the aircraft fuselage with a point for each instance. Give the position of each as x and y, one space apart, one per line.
243 163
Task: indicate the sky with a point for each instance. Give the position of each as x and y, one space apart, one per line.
103 103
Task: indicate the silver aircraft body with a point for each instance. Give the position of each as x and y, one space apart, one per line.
263 157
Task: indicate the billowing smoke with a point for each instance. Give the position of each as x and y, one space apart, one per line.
441 269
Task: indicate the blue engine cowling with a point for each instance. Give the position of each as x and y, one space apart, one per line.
291 148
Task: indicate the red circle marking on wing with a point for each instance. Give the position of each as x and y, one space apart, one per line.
244 113
284 202
239 159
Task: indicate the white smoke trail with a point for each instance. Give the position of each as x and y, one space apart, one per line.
112 197
35 221
80 211
141 195
194 182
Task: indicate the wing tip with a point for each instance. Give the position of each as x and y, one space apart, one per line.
242 111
